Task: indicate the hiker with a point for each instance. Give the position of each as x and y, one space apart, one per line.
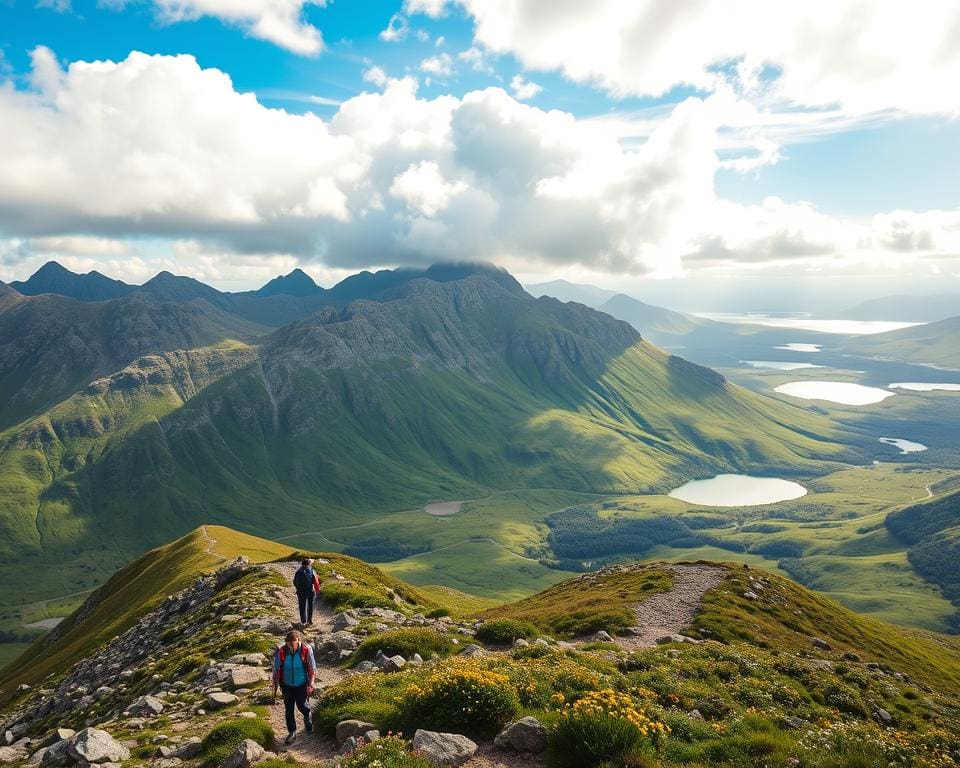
294 670
307 584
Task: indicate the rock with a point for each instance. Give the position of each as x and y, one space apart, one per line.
883 717
247 715
348 728
676 639
372 736
57 754
166 751
11 755
189 749
93 745
416 660
472 651
245 755
394 664
444 748
525 735
229 572
345 620
694 714
819 644
601 637
793 723
243 676
520 643
851 656
540 642
366 666
351 744
37 757
146 706
750 595
166 762
57 734
219 700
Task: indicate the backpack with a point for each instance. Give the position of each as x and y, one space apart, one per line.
304 657
303 579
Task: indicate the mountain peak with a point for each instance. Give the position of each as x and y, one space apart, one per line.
53 268
53 277
296 283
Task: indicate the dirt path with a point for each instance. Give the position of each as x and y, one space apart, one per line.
308 748
667 613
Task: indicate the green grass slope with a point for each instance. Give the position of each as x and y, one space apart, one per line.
933 343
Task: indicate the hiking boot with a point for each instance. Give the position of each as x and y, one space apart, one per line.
291 737
308 726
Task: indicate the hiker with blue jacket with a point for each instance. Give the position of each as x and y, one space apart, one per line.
294 670
307 585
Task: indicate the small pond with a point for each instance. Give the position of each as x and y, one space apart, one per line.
738 491
841 392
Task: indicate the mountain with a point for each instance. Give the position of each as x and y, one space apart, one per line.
591 295
53 278
296 283
907 309
655 323
745 664
447 389
52 346
931 344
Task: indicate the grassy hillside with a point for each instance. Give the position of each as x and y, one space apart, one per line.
450 390
934 344
132 592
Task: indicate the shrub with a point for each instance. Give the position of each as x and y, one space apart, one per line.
503 631
405 642
340 598
244 642
438 613
226 737
388 752
603 726
460 696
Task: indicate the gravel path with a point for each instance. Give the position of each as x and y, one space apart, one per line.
667 613
308 748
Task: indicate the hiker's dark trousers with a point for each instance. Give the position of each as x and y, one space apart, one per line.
305 601
296 696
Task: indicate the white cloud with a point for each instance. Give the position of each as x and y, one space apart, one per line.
59 6
440 65
280 22
523 89
433 8
860 55
405 178
477 59
376 76
397 29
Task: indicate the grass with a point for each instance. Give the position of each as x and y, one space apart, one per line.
588 603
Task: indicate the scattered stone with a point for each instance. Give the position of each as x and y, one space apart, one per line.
57 754
348 728
351 744
851 656
219 700
694 714
146 706
57 734
345 620
394 664
416 660
601 637
166 762
540 642
190 748
525 735
677 639
247 715
751 595
883 717
520 643
793 723
244 676
444 748
372 736
11 755
366 666
472 651
93 745
819 644
245 755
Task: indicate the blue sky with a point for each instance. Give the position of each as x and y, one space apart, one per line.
624 144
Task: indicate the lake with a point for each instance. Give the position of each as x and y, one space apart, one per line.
738 491
778 366
806 322
916 386
835 392
796 346
905 446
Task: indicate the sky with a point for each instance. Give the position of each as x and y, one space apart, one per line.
776 153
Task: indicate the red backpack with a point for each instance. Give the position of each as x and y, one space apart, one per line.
304 656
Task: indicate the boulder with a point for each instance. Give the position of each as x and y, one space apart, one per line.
525 735
883 717
57 754
394 664
345 620
93 745
241 677
472 651
245 755
351 744
443 748
793 723
366 666
57 734
219 700
146 706
601 637
11 755
189 749
348 728
819 644
750 595
676 639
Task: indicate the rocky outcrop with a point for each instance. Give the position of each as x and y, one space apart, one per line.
446 749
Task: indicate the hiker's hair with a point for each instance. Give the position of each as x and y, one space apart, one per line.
305 561
292 635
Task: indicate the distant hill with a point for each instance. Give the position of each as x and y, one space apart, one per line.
447 389
54 278
907 309
296 283
931 344
564 290
655 323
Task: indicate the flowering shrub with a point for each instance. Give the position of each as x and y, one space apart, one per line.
503 631
406 642
388 752
459 695
603 726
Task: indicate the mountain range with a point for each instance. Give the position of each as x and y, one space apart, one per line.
151 413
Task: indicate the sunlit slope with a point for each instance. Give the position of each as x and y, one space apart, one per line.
446 391
933 344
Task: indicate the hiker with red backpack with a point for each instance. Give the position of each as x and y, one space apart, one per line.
294 671
307 584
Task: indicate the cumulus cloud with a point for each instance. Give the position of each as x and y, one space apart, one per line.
155 148
477 59
440 65
280 22
860 55
523 89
